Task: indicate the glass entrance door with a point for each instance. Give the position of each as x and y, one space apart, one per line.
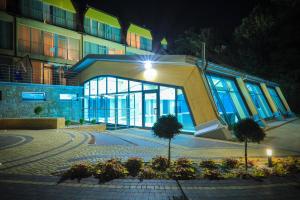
150 108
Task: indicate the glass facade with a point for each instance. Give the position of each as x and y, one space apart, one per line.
6 35
228 99
139 42
277 101
125 102
102 30
259 101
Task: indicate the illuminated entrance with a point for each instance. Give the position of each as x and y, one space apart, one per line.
120 102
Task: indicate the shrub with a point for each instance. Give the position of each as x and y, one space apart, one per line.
109 170
184 162
81 121
279 170
93 121
37 110
208 164
291 165
134 165
159 163
147 173
261 172
182 173
230 163
79 171
68 122
212 174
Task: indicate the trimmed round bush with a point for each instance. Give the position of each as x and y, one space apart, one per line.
159 163
134 165
79 171
208 164
212 174
230 163
109 170
184 162
147 173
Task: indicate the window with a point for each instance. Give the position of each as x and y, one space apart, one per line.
277 100
93 87
49 44
73 49
183 114
111 85
115 52
135 86
146 44
32 8
24 38
167 100
2 4
259 101
36 41
6 35
73 97
94 30
122 85
60 43
102 85
37 71
228 99
33 96
91 48
87 25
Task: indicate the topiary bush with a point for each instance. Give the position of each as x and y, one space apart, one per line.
159 163
93 121
261 172
134 165
68 122
212 174
184 162
230 163
109 170
81 121
182 173
208 164
38 110
78 171
147 173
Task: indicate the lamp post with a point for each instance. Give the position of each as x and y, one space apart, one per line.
269 154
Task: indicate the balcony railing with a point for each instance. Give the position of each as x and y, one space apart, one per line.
40 48
26 73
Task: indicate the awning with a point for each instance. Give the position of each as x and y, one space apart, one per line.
65 4
140 31
103 17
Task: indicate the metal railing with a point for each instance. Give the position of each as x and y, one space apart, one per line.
45 74
40 48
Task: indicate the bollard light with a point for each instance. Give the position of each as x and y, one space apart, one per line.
269 154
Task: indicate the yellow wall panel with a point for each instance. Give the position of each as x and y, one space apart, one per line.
188 77
282 98
269 98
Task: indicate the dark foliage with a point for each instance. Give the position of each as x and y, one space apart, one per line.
248 129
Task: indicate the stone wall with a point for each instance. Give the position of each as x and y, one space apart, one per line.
12 105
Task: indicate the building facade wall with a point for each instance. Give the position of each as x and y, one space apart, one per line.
13 106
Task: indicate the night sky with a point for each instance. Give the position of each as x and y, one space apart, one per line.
170 18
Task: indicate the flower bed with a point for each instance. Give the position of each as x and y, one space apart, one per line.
181 169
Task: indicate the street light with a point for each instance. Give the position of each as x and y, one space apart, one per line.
269 154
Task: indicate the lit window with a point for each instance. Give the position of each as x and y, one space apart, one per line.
33 96
73 97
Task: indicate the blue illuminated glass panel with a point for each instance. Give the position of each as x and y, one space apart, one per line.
229 102
259 101
33 96
277 100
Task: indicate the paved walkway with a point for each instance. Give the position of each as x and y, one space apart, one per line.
45 187
44 152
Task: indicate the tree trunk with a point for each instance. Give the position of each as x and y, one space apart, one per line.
169 153
246 158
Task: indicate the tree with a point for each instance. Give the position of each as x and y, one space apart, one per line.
167 127
37 110
247 130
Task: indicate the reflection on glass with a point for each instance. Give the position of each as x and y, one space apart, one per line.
277 100
228 99
87 89
111 110
259 101
122 109
183 115
150 107
167 101
102 85
93 87
122 85
135 86
150 87
136 109
111 85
